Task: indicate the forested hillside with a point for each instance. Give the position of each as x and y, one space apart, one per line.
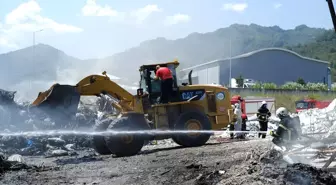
324 49
44 62
198 48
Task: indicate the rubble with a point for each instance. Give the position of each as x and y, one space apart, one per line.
16 117
231 164
270 168
16 157
305 175
37 146
58 153
16 163
7 97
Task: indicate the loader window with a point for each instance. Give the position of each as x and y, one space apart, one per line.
149 85
153 87
143 84
156 86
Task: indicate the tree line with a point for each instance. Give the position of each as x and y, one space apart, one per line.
324 48
299 84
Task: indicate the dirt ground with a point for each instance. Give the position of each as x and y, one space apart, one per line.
216 163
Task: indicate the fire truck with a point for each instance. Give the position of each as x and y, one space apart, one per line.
310 104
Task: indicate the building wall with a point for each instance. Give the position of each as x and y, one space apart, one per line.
206 74
275 66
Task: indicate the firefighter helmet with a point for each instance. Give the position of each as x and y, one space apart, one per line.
281 112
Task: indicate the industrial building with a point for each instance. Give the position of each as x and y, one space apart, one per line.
274 65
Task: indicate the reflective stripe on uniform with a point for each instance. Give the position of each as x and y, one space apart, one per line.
280 125
274 134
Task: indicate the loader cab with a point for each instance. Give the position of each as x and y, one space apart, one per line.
153 87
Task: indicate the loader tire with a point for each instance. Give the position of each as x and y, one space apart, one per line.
122 145
193 120
99 143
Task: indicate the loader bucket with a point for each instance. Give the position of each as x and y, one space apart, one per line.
60 101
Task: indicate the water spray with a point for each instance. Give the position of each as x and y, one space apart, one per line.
120 132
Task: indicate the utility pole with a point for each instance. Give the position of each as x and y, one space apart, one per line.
34 36
230 62
332 12
34 50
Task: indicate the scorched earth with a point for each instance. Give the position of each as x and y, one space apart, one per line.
219 162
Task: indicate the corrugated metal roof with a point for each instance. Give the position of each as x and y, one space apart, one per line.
252 53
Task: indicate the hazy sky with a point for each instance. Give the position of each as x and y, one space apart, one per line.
99 28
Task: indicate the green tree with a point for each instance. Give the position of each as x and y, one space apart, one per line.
324 48
240 81
300 81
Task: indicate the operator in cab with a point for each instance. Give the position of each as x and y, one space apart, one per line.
166 77
288 129
263 115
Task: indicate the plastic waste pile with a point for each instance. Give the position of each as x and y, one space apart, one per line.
311 121
16 117
319 121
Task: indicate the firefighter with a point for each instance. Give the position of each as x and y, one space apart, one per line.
287 130
263 115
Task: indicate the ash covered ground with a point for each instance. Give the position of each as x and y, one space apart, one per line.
244 162
71 159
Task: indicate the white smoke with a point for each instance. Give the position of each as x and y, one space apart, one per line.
28 90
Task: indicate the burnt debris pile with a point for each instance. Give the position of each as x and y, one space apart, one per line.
270 168
16 163
12 163
304 174
17 117
46 146
23 117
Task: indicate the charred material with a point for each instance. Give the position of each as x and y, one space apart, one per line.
305 175
7 97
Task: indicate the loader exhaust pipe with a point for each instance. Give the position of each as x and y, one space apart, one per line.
189 77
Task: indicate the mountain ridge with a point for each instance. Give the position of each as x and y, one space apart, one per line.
44 62
198 48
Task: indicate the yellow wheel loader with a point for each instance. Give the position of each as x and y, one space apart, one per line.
192 107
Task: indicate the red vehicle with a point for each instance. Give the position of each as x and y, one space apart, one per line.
237 99
251 105
311 104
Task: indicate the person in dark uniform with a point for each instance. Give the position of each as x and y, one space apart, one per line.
166 77
263 115
289 128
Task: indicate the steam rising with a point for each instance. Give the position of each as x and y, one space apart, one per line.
27 90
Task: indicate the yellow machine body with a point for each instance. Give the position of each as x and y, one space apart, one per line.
213 100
